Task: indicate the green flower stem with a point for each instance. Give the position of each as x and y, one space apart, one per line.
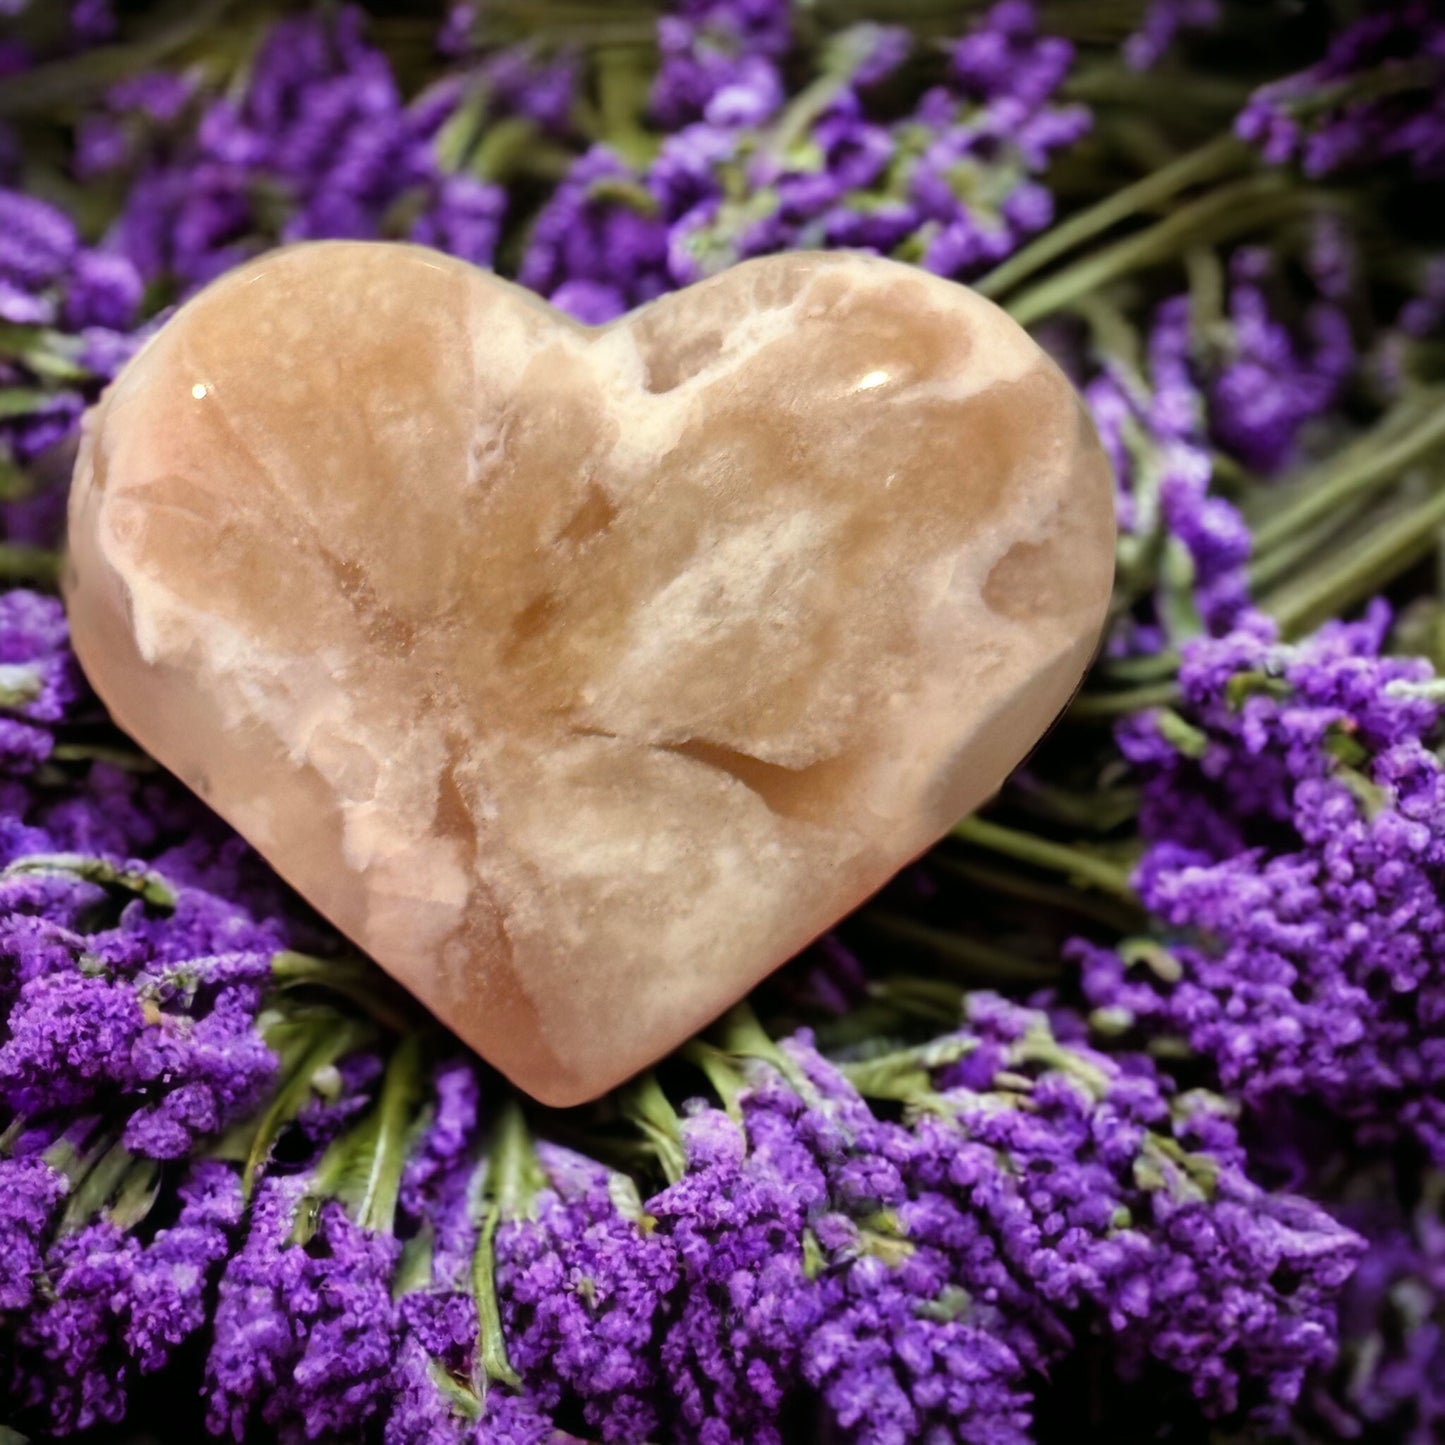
1110 706
515 147
968 960
319 1040
722 1074
1107 911
458 1396
1113 334
744 1037
1150 91
1073 863
649 1109
357 980
141 882
624 78
880 1017
839 61
65 1157
906 1074
1363 468
21 563
45 353
1043 1049
414 1267
1210 162
512 1179
1164 1162
1148 667
1370 564
907 996
21 401
128 760
1231 211
1186 739
1295 553
1432 690
396 1115
1100 810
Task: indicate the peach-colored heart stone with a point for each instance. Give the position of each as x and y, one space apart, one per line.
583 675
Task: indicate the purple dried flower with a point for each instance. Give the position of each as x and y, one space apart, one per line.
304 1335
464 219
719 62
37 241
70 1038
69 1368
1164 21
580 236
1004 58
1301 902
582 1287
1391 1374
1275 382
735 1222
167 1297
1374 98
30 1189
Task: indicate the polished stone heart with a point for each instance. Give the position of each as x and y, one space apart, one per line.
581 676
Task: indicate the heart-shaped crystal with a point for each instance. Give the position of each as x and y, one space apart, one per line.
579 675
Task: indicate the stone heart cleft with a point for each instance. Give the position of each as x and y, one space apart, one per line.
582 675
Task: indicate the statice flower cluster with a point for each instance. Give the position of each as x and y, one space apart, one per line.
113 1304
132 974
1152 422
1390 1376
75 308
1248 387
953 185
1374 99
319 143
1293 817
136 939
1164 22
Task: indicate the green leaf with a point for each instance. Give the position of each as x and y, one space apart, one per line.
18 685
645 1104
1154 956
414 1268
18 401
722 1073
512 1177
138 1192
1248 684
101 1180
952 1303
460 1397
329 1036
396 1123
359 981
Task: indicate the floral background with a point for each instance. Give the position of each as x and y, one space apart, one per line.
1118 1117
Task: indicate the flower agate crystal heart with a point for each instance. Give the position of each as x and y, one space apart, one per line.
582 675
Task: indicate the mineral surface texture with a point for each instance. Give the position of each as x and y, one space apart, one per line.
581 676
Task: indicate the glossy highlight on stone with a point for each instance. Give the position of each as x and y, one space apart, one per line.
583 675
